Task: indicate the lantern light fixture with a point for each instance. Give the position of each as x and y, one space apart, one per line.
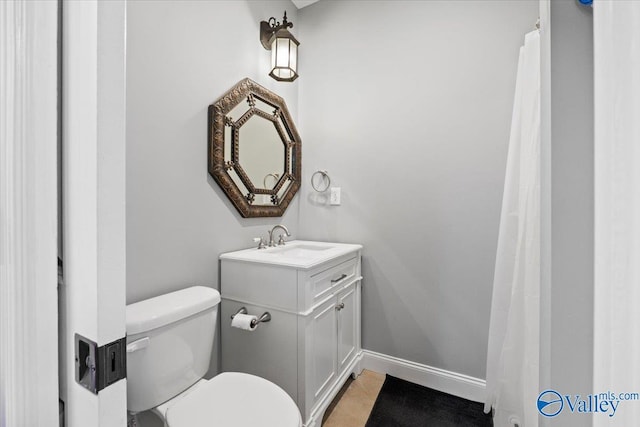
275 37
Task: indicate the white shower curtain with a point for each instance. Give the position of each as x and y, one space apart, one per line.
513 351
617 205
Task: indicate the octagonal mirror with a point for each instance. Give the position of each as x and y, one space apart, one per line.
254 150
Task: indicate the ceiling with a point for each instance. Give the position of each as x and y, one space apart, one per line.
303 3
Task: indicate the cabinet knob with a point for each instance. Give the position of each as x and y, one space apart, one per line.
340 306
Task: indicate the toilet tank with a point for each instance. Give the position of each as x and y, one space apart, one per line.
169 344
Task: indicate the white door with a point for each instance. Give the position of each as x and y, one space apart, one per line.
323 335
28 214
347 326
93 297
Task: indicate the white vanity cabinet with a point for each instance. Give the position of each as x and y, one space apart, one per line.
312 342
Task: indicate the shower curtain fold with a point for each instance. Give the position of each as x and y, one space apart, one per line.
513 347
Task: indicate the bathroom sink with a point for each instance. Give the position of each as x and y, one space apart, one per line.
297 253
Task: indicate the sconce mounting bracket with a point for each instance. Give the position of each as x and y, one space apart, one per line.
270 27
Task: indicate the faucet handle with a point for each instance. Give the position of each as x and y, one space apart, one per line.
281 240
261 243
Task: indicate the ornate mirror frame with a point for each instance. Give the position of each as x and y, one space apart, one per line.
248 91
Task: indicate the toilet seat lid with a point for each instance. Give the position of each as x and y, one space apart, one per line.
235 399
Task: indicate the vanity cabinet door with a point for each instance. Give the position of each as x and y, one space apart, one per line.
323 336
347 325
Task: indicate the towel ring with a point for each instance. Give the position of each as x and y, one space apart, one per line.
275 176
325 176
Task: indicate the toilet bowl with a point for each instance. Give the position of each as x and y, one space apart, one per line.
169 344
231 399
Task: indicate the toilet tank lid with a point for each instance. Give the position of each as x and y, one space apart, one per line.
162 310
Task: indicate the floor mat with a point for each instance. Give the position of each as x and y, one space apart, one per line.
404 404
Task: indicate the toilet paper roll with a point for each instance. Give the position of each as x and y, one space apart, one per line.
244 321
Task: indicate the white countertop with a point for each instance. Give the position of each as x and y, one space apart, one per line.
296 253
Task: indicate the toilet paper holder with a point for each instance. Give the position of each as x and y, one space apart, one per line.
266 317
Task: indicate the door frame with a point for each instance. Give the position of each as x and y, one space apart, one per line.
93 294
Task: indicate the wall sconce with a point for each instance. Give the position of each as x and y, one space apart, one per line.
283 46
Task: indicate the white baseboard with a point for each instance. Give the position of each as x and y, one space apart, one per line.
438 379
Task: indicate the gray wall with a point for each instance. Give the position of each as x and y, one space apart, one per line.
419 102
408 106
571 169
182 56
545 198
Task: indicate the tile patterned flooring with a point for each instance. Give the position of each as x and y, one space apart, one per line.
352 406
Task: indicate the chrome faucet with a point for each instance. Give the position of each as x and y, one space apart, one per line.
281 240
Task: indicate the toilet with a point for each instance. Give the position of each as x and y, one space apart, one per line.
169 345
